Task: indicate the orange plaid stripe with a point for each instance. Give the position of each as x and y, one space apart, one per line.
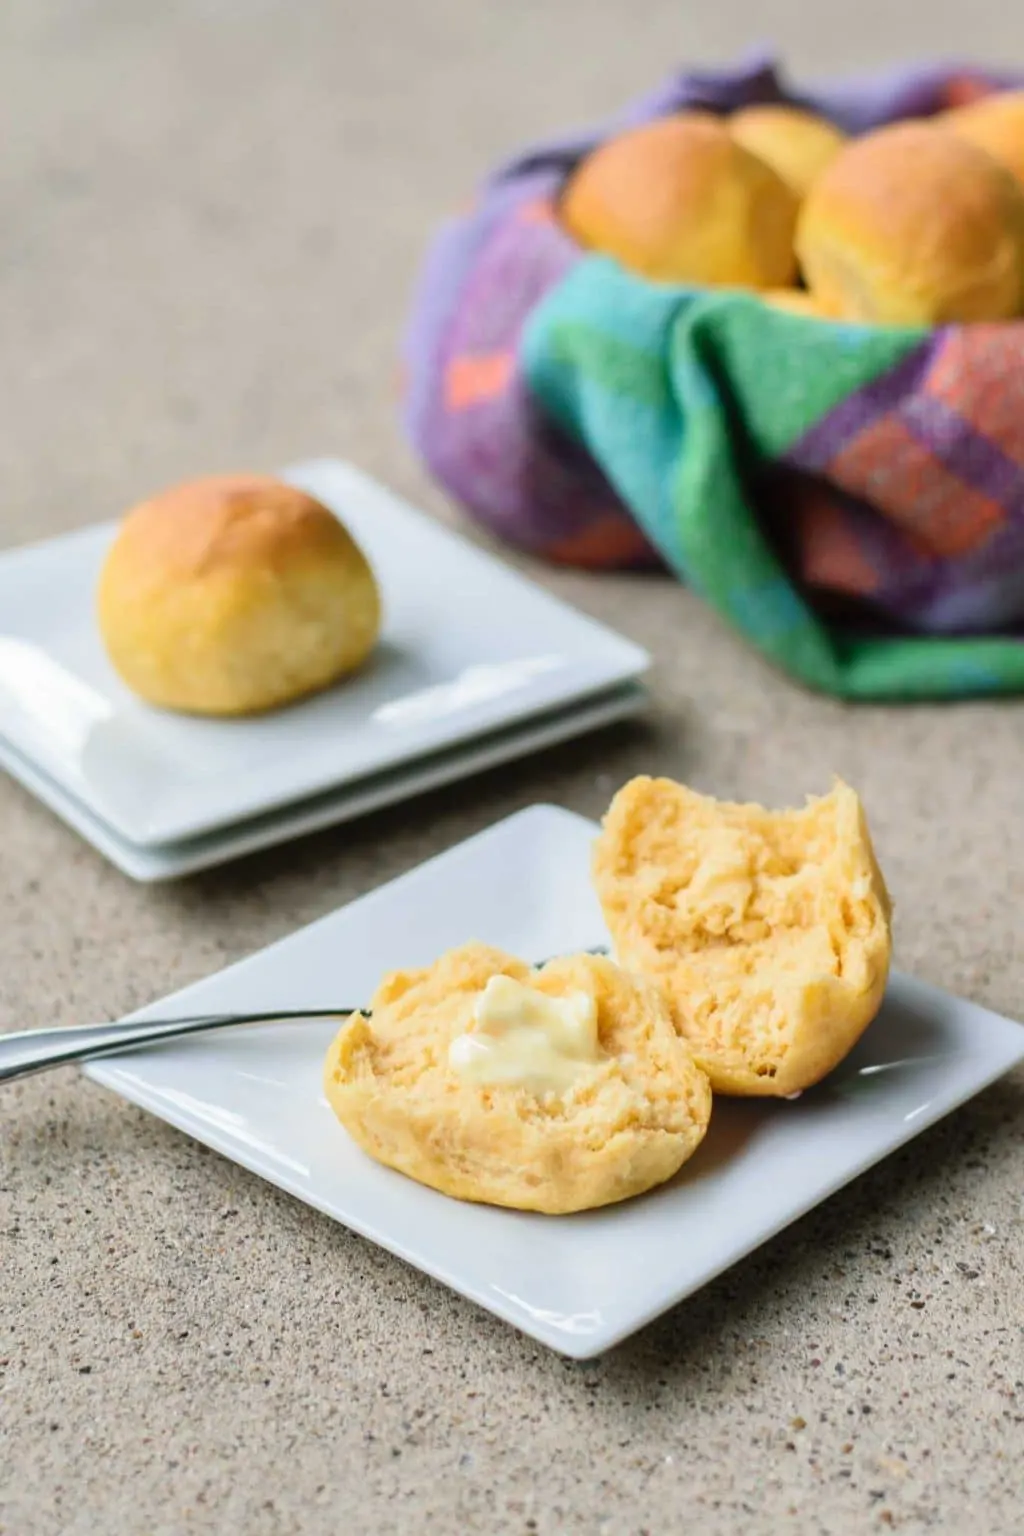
472 380
539 210
608 541
965 90
979 372
887 466
830 553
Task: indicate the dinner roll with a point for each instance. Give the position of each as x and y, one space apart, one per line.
912 225
996 125
681 201
797 144
234 594
553 1090
768 930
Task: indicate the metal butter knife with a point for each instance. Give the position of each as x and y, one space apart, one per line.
37 1050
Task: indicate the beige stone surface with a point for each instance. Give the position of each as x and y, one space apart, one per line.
210 214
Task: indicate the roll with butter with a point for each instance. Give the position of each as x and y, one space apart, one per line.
556 1089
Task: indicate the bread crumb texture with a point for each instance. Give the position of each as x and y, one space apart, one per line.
769 931
625 1125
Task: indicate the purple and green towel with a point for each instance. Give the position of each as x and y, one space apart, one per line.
850 498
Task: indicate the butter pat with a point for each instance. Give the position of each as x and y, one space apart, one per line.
525 1039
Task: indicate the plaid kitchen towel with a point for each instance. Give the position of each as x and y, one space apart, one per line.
850 498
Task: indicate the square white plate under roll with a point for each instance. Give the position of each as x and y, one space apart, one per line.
577 1283
172 861
468 647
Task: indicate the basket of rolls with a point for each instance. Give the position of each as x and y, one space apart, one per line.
770 339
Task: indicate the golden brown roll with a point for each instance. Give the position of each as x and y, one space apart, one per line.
234 594
679 200
616 1110
912 225
769 931
996 125
797 144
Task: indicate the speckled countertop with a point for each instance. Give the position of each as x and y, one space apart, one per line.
209 218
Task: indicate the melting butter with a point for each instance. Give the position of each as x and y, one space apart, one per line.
523 1038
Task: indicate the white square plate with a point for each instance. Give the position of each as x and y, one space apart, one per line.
577 1283
468 646
171 861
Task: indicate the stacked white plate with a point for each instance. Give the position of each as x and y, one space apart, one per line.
475 666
